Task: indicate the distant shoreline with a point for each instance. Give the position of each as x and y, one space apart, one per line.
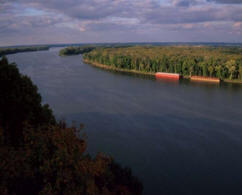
9 51
106 67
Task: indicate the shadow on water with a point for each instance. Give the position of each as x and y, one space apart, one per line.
168 80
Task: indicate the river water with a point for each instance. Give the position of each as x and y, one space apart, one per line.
178 137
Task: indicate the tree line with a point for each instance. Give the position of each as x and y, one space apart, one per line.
6 51
220 62
39 155
75 50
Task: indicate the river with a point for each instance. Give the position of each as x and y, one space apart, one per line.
178 137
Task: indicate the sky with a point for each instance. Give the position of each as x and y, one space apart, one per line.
24 22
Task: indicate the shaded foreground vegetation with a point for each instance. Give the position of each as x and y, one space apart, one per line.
6 51
219 62
39 155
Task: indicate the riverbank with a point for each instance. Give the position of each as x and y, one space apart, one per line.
143 73
118 69
14 50
232 81
106 67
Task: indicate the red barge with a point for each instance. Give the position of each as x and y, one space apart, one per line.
165 75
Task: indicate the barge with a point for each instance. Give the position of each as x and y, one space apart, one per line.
165 75
205 79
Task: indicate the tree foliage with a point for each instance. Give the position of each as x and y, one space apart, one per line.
220 62
75 50
13 50
40 156
20 102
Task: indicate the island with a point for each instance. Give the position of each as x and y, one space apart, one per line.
224 63
198 61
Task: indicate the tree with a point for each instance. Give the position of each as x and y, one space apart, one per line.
19 102
219 72
211 70
48 157
231 65
164 64
185 67
202 61
53 161
240 72
204 69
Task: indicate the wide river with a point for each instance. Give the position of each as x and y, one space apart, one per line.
178 138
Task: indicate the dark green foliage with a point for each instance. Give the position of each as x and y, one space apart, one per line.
124 177
220 62
75 50
52 161
6 51
19 102
40 156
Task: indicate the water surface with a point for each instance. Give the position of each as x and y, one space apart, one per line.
178 138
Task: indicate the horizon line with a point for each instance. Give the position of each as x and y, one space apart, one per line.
128 42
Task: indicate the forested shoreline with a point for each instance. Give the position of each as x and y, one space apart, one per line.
39 155
13 50
224 63
75 50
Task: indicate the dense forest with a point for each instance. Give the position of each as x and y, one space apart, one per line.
220 62
39 155
13 50
76 50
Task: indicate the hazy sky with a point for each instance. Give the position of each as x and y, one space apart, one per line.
78 21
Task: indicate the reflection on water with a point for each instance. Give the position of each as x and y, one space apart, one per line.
168 80
178 138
